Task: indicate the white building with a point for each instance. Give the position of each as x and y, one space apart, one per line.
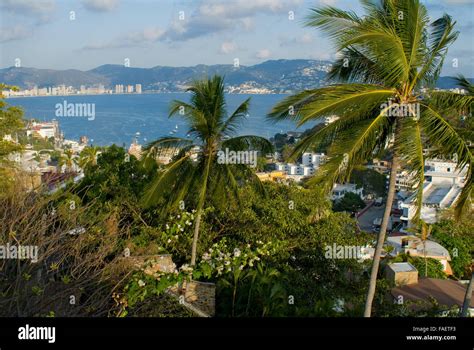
414 246
340 190
138 88
442 187
44 129
295 169
310 163
314 160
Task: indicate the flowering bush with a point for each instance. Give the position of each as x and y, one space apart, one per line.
177 235
144 284
221 259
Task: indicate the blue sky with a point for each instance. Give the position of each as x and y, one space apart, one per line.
149 33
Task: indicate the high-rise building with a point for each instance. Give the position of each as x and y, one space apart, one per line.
119 89
129 88
138 88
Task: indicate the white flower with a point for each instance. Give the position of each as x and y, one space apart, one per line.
179 217
241 267
169 240
182 229
236 252
141 283
167 226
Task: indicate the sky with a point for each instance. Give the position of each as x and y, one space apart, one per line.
84 34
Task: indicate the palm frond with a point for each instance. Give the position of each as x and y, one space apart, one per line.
248 142
233 122
350 148
447 142
409 149
341 100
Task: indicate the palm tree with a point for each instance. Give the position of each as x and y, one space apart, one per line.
196 167
467 297
424 234
386 58
88 156
67 159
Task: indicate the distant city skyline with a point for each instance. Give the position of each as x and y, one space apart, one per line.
85 34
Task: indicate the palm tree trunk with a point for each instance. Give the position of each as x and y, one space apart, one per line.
196 236
202 197
426 261
467 298
381 237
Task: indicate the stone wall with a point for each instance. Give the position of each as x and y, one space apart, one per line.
199 295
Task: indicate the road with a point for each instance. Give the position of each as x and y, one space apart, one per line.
365 221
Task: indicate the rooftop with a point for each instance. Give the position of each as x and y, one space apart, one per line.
446 292
402 267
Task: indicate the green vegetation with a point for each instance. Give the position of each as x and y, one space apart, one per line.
11 124
371 181
351 203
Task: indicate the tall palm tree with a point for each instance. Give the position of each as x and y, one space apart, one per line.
386 57
196 167
88 156
425 232
468 296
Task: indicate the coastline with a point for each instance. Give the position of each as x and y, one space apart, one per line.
149 93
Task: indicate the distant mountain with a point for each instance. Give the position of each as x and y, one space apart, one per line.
448 82
273 75
29 77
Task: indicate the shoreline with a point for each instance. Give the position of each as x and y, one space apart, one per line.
146 93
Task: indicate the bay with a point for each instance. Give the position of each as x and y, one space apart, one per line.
118 118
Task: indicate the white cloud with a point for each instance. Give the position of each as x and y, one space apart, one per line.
228 47
263 54
139 38
245 8
15 33
41 10
100 5
304 39
213 16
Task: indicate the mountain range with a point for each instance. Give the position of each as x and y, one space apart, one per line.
273 76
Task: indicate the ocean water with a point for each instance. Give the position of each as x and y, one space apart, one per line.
118 118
